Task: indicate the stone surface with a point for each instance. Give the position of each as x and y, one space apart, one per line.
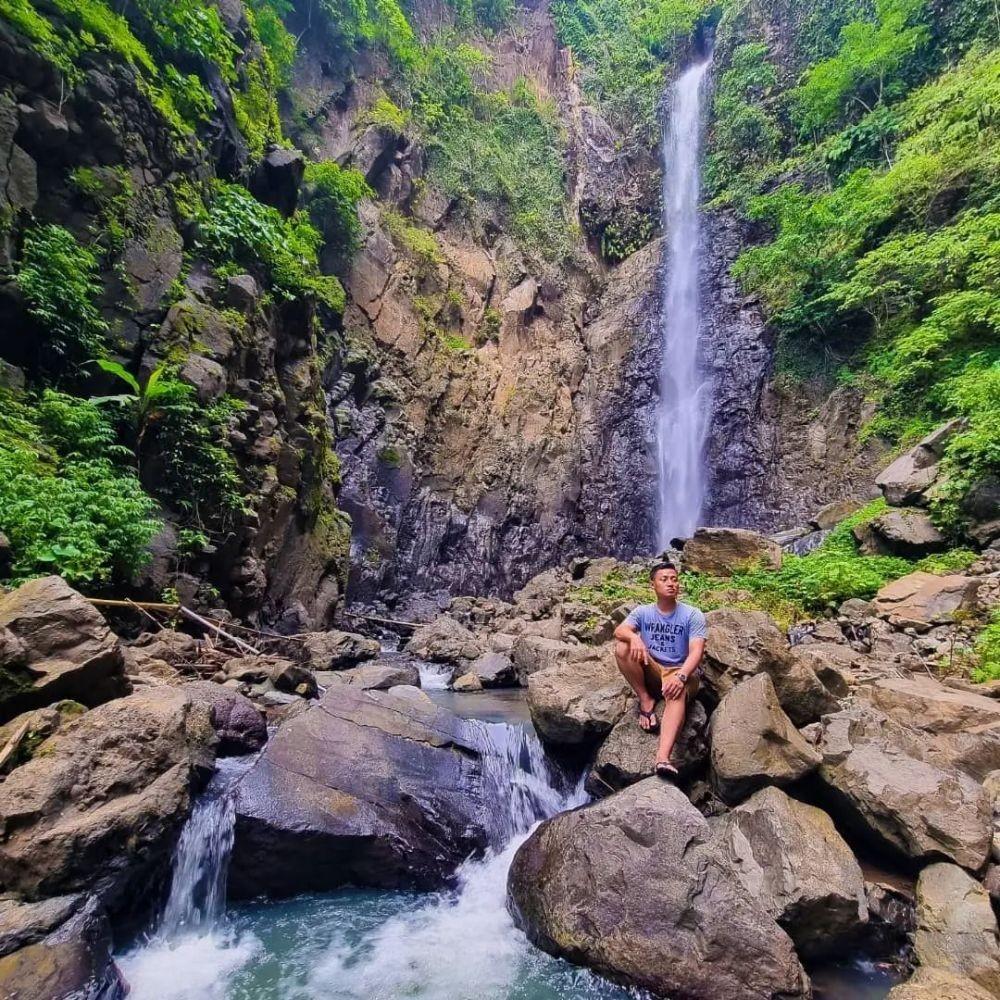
956 927
754 743
99 805
921 600
69 651
531 653
445 641
335 650
495 670
467 682
38 725
608 886
283 674
378 676
237 723
309 818
628 754
578 702
934 984
723 551
907 479
907 533
831 514
923 703
791 858
921 810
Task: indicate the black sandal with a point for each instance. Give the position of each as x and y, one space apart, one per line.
650 717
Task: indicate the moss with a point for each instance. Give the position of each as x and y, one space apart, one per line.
391 456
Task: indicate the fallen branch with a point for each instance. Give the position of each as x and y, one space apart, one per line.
13 743
244 647
384 621
103 602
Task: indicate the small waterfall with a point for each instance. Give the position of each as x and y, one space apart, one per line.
685 390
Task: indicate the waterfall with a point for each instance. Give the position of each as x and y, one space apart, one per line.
685 390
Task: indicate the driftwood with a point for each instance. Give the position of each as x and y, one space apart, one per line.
10 748
383 621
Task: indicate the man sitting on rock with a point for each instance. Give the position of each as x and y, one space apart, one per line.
658 649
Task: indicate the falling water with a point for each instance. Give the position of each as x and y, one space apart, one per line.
685 390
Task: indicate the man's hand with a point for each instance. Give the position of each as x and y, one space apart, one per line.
673 687
637 651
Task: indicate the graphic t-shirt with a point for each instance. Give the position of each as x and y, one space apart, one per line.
667 637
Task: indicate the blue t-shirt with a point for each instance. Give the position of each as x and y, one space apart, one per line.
667 637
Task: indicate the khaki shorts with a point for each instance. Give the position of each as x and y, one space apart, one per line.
656 674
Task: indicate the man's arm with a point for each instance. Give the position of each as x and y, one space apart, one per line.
673 686
629 632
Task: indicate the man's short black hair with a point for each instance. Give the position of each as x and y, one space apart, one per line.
665 564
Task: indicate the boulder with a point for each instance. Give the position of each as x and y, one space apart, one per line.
754 743
629 754
632 888
283 674
238 724
920 810
68 649
178 649
336 650
724 551
956 927
495 670
378 676
25 923
934 984
907 533
832 663
100 804
444 640
921 600
467 682
278 177
577 703
738 644
924 703
791 858
833 513
532 653
907 479
69 960
21 737
309 818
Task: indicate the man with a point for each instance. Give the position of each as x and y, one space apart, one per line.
658 649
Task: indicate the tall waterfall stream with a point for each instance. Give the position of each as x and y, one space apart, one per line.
685 389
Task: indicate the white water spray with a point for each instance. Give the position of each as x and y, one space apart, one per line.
685 390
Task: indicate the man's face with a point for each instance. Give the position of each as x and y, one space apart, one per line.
665 583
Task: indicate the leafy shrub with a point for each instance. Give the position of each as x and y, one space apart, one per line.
384 114
987 652
422 243
332 194
59 280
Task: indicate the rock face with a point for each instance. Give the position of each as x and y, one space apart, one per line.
629 754
921 600
916 808
68 649
309 818
754 743
791 858
577 702
608 885
723 551
100 803
56 959
956 927
238 725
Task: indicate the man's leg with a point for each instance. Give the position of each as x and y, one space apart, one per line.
674 711
635 674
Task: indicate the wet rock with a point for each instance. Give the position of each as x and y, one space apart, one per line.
67 953
921 600
237 723
578 702
921 810
379 676
467 682
933 984
608 885
907 533
629 754
791 858
494 670
723 551
336 650
445 641
956 927
754 743
308 818
100 804
70 651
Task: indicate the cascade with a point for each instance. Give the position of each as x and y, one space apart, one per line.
685 388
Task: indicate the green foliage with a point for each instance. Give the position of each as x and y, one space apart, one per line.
987 652
66 506
236 227
628 231
386 115
275 37
421 243
58 278
332 194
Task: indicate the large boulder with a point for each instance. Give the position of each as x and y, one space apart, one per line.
918 809
791 858
956 927
921 600
66 649
494 670
924 703
336 650
935 984
57 949
100 804
238 724
908 533
629 753
908 478
445 640
363 788
633 888
754 743
724 551
532 653
578 702
378 676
